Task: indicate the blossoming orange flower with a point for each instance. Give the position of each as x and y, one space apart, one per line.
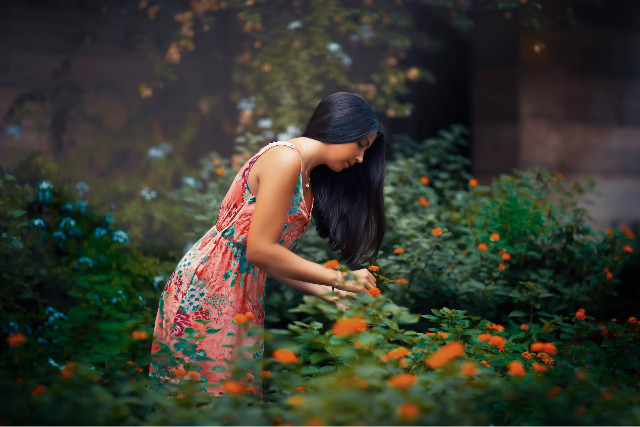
285 356
482 247
494 237
497 340
484 337
609 275
402 281
14 340
402 380
374 292
468 369
442 334
445 354
502 266
538 367
627 248
397 353
68 370
543 346
516 368
581 314
216 162
300 388
485 363
295 400
38 390
545 358
473 182
495 327
632 320
139 335
610 232
249 315
332 263
436 232
554 391
349 325
179 372
524 327
430 334
253 390
220 171
527 355
409 411
424 202
266 374
627 232
506 256
374 268
398 250
194 375
240 318
424 180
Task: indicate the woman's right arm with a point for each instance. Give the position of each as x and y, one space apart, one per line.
275 191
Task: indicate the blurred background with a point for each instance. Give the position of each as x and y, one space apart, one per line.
101 90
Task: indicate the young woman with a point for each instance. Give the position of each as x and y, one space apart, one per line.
335 172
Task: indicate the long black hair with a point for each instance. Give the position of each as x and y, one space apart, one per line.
348 206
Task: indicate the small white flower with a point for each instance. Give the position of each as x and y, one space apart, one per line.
294 24
334 47
247 103
189 181
148 194
155 153
265 123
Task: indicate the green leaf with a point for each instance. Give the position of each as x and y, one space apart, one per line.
517 313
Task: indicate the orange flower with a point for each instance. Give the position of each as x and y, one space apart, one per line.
216 162
473 182
249 315
402 281
442 334
68 370
524 327
609 275
538 367
484 337
398 250
332 263
560 175
627 248
485 363
506 256
482 247
545 358
194 375
494 237
285 356
398 353
295 400
627 232
38 390
610 232
315 421
16 339
139 335
424 180
179 372
495 327
502 266
374 292
516 368
497 340
632 320
554 391
581 314
300 388
374 268
546 347
424 202
130 362
527 355
252 390
409 411
266 374
233 387
240 318
349 325
445 354
468 369
402 380
436 232
220 171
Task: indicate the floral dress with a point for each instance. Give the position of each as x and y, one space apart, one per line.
214 281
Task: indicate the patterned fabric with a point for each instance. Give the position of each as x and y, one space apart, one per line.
214 281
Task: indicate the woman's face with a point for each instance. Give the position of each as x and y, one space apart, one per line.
343 156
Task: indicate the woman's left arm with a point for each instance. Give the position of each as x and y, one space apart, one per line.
313 289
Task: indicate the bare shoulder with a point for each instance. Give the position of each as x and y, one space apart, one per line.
280 164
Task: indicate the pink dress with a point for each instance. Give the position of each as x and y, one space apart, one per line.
214 281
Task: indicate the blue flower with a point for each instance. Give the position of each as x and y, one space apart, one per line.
120 236
247 103
13 131
44 192
189 181
108 219
265 123
37 223
60 236
155 153
45 185
67 223
67 207
294 24
82 205
100 232
148 194
83 261
82 188
267 134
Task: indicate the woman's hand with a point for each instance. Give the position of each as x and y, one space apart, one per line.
363 282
